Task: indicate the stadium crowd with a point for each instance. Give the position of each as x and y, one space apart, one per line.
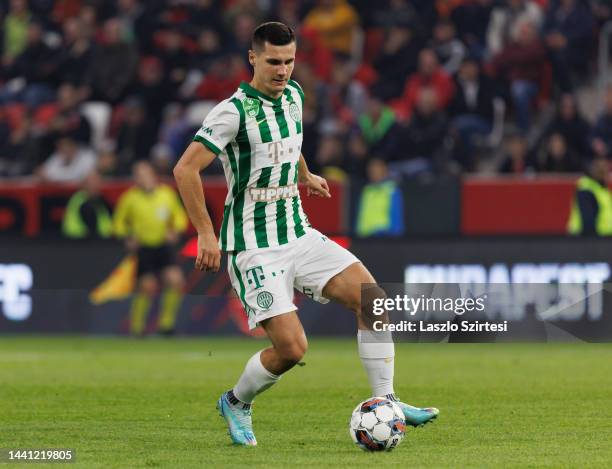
415 86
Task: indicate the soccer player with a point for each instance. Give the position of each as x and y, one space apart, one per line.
272 249
150 217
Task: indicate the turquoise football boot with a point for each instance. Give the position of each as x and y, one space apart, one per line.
239 425
417 416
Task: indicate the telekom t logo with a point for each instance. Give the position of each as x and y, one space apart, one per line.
276 150
255 276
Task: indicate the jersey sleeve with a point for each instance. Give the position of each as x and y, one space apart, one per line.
219 128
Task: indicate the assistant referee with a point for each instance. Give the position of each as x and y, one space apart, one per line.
150 217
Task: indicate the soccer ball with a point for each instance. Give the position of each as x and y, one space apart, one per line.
377 424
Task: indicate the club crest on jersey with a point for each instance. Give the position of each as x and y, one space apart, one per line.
251 107
265 299
294 112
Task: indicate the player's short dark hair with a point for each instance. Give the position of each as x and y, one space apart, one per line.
277 34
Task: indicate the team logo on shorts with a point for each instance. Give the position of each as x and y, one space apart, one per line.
265 299
251 107
294 112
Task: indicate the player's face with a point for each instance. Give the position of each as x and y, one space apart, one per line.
273 67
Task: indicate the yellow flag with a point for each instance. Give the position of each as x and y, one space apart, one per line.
118 285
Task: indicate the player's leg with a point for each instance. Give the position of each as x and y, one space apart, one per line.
146 287
263 280
262 371
376 349
171 299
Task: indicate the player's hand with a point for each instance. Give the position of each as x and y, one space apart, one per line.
316 185
209 255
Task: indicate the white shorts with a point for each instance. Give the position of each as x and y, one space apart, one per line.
264 278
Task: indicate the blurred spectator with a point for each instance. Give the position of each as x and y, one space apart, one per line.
346 97
138 21
471 18
77 52
448 48
6 157
311 51
242 31
330 158
22 151
36 65
520 63
206 14
601 135
239 10
397 12
377 123
175 58
381 206
114 64
314 106
175 131
70 163
87 214
59 10
602 10
591 212
68 119
424 137
571 125
136 136
518 159
289 12
163 159
89 17
152 89
506 19
336 21
15 31
471 110
426 19
107 159
208 49
427 127
569 37
357 157
397 59
431 76
558 158
222 79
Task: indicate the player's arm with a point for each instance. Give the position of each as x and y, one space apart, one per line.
187 175
315 185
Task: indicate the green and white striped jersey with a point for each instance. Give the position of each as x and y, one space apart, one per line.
259 141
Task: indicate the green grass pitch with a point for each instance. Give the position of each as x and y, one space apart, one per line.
150 403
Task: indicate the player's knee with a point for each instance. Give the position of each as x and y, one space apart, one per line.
293 353
369 299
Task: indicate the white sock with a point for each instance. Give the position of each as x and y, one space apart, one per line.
377 352
254 380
